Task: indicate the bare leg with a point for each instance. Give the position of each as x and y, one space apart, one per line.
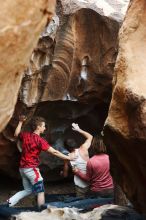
40 199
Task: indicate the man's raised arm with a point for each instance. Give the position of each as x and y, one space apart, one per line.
22 118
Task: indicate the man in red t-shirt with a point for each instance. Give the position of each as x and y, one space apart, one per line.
32 145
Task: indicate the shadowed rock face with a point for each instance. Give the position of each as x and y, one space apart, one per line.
125 127
84 53
20 26
92 67
59 116
9 157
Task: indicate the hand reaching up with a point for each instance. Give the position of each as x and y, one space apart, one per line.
75 127
22 118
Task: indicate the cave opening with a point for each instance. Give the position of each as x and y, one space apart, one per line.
59 116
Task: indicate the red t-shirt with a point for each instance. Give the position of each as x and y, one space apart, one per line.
32 145
98 173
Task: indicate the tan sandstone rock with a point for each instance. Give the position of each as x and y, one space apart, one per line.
20 25
125 127
107 212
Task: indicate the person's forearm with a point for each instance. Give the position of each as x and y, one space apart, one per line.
18 129
85 134
60 155
82 176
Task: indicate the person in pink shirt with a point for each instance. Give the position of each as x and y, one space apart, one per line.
98 171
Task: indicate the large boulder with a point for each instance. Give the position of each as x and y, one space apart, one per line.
20 25
125 127
112 9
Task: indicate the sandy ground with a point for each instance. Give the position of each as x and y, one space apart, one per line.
8 188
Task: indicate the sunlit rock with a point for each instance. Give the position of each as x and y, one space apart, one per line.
20 26
112 9
125 127
73 62
105 212
36 72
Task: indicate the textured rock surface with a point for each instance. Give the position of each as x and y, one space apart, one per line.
125 129
112 9
81 67
20 26
105 212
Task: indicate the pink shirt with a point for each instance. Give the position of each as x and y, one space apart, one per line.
98 173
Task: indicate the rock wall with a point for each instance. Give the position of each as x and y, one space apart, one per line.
59 116
73 64
81 67
125 127
74 61
69 75
20 26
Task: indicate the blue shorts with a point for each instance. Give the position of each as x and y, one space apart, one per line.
38 187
